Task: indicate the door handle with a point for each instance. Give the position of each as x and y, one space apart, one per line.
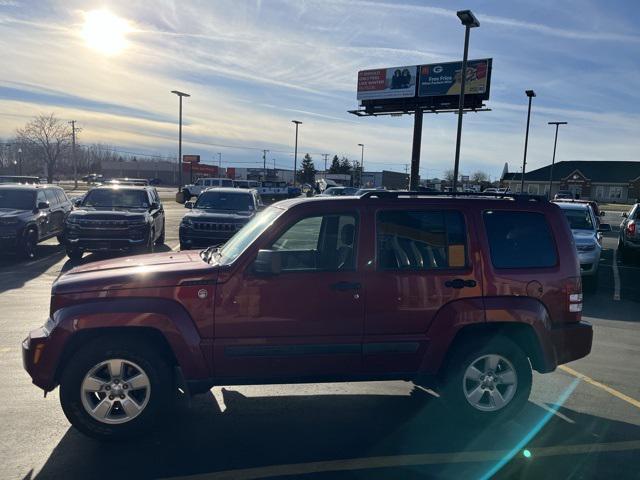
460 283
344 286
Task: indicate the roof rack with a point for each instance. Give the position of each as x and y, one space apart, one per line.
409 193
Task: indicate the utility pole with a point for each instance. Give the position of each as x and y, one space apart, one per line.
73 152
295 154
325 155
264 163
219 161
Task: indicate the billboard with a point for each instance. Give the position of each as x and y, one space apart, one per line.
191 158
443 79
384 83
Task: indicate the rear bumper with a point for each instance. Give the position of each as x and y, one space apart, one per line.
571 342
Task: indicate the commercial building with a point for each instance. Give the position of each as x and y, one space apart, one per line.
600 180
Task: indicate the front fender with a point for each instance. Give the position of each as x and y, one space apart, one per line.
167 317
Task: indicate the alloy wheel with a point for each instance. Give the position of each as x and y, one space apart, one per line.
489 383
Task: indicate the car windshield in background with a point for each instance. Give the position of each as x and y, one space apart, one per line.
116 197
252 230
578 219
17 199
236 202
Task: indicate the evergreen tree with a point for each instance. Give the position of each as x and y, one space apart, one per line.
307 172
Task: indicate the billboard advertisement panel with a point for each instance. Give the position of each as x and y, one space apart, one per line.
191 158
383 83
443 79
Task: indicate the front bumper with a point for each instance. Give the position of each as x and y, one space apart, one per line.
589 262
571 341
193 238
40 356
105 244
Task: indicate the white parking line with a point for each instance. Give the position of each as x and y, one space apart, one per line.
616 276
175 249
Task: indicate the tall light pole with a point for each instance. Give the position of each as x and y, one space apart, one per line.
530 94
180 95
73 152
19 161
295 154
361 145
469 21
553 160
219 160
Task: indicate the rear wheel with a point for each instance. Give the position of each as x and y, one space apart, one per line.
74 253
60 239
160 240
115 387
487 379
29 245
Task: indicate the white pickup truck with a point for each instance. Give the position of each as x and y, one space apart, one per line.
195 189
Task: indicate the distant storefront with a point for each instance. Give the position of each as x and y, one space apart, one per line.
600 180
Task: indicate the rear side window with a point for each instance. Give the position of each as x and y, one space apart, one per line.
420 240
62 197
519 239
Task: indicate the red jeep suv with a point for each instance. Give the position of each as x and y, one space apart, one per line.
463 293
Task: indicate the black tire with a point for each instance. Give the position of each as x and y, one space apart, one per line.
184 247
466 354
160 240
74 253
115 347
28 247
623 252
60 239
150 247
186 195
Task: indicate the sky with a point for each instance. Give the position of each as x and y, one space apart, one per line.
253 66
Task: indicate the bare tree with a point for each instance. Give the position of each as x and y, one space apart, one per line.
50 136
479 177
448 175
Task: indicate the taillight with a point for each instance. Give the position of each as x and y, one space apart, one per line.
631 228
574 300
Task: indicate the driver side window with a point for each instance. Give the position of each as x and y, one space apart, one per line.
322 243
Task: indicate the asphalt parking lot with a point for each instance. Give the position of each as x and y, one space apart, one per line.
582 421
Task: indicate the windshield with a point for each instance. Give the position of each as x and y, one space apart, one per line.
17 199
579 219
231 201
333 191
252 230
116 197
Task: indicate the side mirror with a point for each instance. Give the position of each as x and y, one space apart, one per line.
624 214
268 262
43 205
189 205
604 227
602 214
154 206
77 202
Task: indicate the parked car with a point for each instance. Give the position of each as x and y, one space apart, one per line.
115 218
362 191
629 236
592 203
587 236
246 184
338 192
19 179
30 214
430 289
562 194
195 189
217 215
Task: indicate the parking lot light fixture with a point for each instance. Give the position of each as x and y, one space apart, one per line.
180 95
530 94
553 159
361 145
295 153
469 21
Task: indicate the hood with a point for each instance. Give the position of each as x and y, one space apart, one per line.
10 212
223 215
140 271
584 236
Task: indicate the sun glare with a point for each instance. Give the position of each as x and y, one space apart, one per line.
105 32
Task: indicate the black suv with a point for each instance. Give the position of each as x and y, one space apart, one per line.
30 214
217 215
115 218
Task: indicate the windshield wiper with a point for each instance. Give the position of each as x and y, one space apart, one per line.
209 252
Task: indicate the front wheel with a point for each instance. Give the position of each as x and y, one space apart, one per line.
74 253
487 380
115 387
160 240
28 246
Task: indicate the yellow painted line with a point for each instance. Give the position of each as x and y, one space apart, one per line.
602 386
391 461
7 349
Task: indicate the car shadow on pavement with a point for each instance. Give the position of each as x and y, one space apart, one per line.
15 272
260 431
98 256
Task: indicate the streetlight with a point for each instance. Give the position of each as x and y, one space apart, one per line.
180 95
530 94
469 21
553 160
295 154
361 145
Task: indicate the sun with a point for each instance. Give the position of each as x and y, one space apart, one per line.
105 32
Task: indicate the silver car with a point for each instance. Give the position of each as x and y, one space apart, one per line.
629 239
587 236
